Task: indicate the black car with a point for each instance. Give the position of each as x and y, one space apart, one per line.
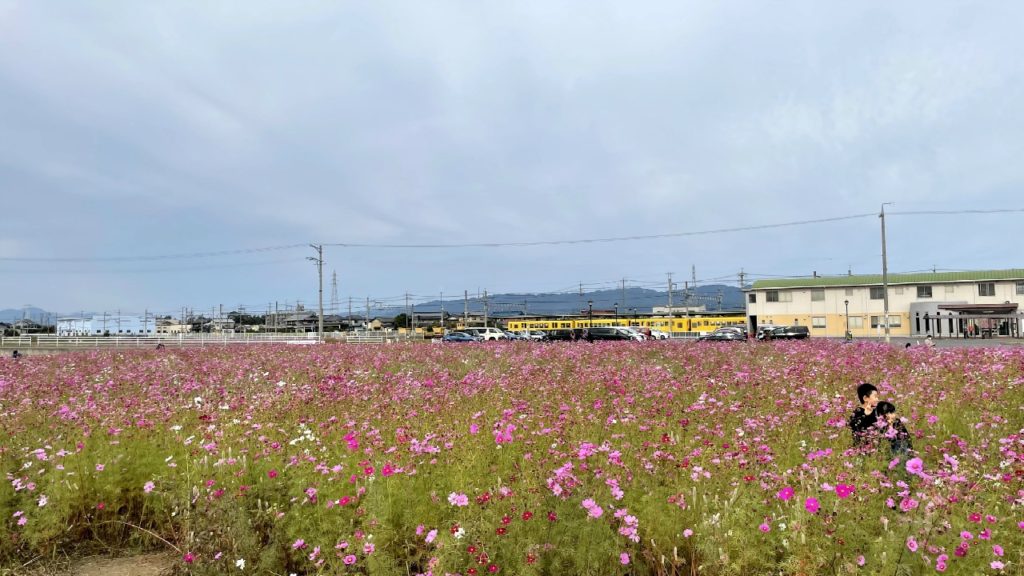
564 334
789 333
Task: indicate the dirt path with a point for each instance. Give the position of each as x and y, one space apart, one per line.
144 565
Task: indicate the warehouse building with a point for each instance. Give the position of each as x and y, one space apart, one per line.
942 304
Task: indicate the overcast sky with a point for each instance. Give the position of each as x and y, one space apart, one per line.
141 129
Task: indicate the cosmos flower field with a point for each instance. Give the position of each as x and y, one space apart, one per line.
515 458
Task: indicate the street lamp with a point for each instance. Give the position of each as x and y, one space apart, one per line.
616 312
633 312
590 312
848 335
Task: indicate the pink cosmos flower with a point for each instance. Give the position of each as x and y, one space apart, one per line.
350 559
764 527
845 490
430 536
915 466
624 558
687 533
298 544
100 467
812 505
189 558
148 487
458 499
997 550
912 544
861 560
997 565
368 548
786 493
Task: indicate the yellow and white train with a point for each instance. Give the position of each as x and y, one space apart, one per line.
700 324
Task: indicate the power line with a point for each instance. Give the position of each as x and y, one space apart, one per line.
157 257
604 240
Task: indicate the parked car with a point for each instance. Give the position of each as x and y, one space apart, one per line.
536 335
764 330
488 333
725 334
612 333
659 335
459 337
514 335
563 334
789 333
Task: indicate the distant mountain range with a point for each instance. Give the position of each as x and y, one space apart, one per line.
640 299
633 300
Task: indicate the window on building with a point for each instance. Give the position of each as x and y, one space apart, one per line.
1020 288
877 293
987 289
817 321
856 322
924 291
752 298
894 322
818 295
772 296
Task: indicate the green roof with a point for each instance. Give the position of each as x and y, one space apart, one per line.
876 279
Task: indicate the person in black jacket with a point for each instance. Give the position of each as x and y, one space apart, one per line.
862 423
894 430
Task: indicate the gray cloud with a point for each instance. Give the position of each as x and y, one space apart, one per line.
160 127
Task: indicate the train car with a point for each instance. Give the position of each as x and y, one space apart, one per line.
679 326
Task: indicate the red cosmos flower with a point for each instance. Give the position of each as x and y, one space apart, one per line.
552 516
471 549
493 568
501 531
471 571
368 471
272 474
454 528
527 515
506 520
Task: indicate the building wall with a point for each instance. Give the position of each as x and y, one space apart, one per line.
98 325
831 310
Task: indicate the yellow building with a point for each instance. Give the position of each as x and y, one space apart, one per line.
942 304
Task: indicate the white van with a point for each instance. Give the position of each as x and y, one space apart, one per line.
488 333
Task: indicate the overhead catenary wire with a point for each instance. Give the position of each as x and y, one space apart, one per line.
611 239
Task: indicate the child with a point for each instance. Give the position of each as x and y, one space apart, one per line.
894 430
863 420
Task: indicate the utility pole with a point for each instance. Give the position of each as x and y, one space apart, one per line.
671 324
885 275
334 291
320 274
465 308
443 330
367 311
408 316
485 308
623 292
